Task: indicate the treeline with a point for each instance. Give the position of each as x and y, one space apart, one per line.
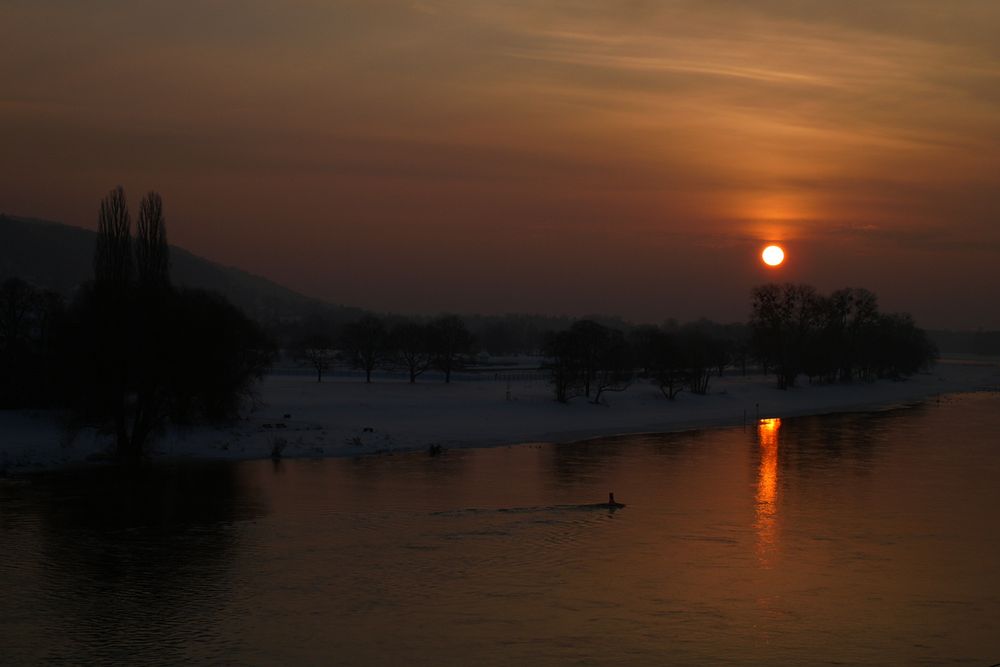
841 337
129 353
513 334
793 331
371 343
585 358
413 346
590 358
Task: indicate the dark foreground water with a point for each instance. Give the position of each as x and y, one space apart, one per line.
844 539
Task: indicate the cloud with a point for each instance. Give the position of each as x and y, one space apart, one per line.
627 125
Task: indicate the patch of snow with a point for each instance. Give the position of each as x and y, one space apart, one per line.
344 416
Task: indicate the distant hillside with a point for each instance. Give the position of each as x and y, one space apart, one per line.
59 257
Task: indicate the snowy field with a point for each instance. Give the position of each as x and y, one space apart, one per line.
343 416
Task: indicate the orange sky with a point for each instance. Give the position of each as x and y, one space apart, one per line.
557 156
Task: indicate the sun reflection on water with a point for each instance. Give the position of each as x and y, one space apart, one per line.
767 488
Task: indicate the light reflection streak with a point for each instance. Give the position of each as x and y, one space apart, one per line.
767 488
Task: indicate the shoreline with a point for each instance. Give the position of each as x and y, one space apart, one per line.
344 418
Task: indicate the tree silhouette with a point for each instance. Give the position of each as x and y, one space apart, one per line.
151 250
29 326
842 337
316 350
563 364
366 344
591 340
113 254
411 342
615 364
698 358
666 362
588 357
450 340
784 319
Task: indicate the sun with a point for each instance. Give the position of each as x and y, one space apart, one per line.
773 255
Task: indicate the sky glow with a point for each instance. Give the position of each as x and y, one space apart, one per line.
561 157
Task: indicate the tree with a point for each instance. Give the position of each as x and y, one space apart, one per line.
190 357
897 348
108 313
644 340
366 344
113 254
783 319
316 350
589 356
697 358
411 342
29 319
563 364
17 302
449 341
591 343
218 354
666 362
151 250
615 362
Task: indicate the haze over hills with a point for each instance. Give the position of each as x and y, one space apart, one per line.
59 257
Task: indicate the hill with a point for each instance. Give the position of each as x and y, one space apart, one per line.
59 257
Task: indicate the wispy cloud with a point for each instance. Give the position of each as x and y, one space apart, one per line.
621 125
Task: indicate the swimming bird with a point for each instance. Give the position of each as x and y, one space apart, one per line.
610 505
611 502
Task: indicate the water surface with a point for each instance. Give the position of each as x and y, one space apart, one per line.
860 539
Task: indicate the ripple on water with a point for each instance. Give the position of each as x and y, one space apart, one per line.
851 538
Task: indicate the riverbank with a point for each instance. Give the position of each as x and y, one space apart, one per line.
298 417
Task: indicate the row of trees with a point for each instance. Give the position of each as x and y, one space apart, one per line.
369 343
841 337
794 330
590 358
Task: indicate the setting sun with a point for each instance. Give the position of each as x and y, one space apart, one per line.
773 255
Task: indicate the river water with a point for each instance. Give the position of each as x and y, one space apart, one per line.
858 539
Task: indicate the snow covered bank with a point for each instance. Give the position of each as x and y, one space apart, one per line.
345 417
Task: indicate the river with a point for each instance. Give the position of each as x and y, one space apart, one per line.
852 538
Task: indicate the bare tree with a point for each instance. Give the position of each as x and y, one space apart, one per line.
317 351
17 300
411 342
450 340
113 254
666 363
365 342
615 362
561 348
589 356
151 250
30 322
783 320
591 342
